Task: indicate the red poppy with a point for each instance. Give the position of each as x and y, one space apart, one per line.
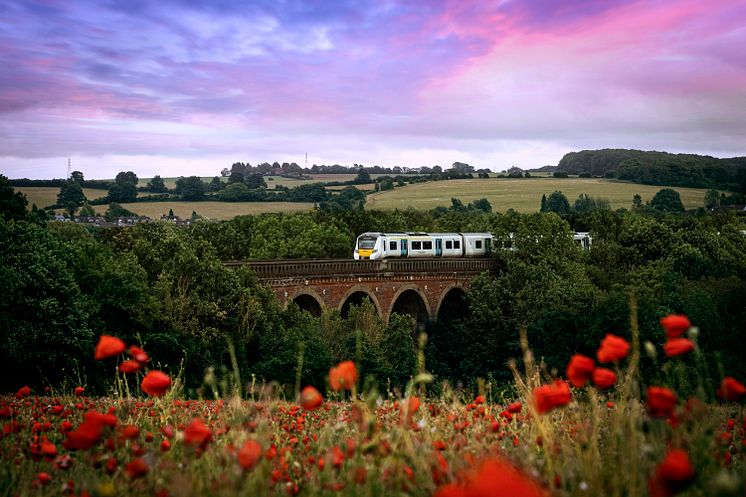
672 475
249 454
79 391
547 397
155 383
677 346
138 354
23 392
515 407
731 389
603 378
130 432
579 369
197 433
43 478
675 325
343 377
136 468
130 366
310 398
108 346
660 402
613 349
413 404
496 476
84 436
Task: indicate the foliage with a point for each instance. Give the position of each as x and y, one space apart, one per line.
71 196
12 204
157 185
667 200
191 188
115 211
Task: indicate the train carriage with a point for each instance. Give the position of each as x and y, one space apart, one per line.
375 245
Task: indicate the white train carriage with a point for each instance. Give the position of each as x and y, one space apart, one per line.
375 246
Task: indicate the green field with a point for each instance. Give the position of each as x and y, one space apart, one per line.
522 195
43 196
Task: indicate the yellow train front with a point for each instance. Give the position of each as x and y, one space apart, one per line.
376 246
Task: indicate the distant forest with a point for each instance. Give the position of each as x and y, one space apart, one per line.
659 168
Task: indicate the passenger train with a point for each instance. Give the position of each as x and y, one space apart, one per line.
373 246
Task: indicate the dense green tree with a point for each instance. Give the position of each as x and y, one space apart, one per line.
71 196
667 200
557 202
45 318
126 177
157 185
191 188
124 188
712 198
77 176
12 203
636 201
87 210
255 181
215 185
234 192
115 210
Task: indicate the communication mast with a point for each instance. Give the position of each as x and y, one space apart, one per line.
69 169
306 160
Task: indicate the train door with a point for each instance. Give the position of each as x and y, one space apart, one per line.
438 247
404 251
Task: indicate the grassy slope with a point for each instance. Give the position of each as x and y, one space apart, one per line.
523 195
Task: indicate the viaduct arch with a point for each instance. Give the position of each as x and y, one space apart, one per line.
426 289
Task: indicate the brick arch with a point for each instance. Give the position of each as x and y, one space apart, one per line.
367 291
311 292
441 299
398 294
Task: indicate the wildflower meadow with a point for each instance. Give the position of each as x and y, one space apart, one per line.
599 428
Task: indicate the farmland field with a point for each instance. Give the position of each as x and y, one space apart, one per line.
522 195
43 196
211 210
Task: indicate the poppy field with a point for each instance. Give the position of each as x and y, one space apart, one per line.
600 427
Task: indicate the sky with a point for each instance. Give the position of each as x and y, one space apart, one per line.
181 87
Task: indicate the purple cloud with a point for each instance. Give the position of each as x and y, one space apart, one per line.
497 83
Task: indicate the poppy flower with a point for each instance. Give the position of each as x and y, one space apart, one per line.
731 389
249 454
138 354
604 378
130 366
547 397
136 468
496 476
675 325
79 391
515 407
155 383
43 478
613 349
672 475
343 377
660 402
413 404
310 398
108 346
579 370
677 346
23 392
84 436
197 433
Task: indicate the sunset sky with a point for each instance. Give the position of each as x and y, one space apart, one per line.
176 87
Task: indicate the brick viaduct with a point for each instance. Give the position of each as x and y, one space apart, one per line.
426 289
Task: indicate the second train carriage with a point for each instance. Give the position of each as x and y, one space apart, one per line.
374 245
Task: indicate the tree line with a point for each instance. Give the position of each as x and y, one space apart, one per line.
659 168
164 286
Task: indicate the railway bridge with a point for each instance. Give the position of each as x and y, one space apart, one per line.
426 289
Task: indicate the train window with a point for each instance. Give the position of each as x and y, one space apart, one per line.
449 244
478 244
392 245
457 244
427 245
416 245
